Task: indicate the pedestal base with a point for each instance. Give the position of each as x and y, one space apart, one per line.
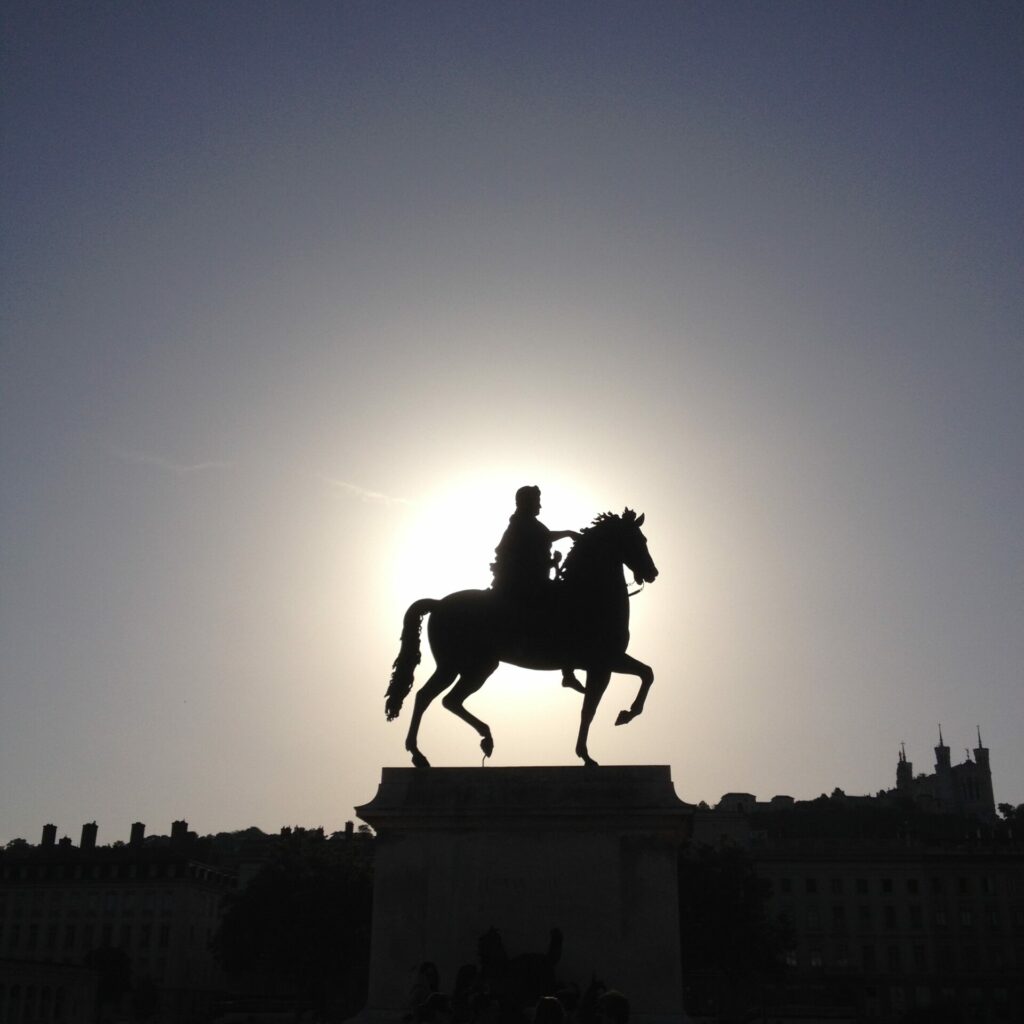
592 852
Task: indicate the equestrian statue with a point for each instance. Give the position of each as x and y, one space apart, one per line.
579 620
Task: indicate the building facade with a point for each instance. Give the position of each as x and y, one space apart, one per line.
128 926
903 907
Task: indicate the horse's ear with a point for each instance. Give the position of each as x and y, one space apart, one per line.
640 521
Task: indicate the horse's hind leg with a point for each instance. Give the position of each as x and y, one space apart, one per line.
433 687
470 682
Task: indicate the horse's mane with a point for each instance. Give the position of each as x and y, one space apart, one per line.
601 524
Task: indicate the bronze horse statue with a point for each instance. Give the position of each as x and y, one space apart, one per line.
582 622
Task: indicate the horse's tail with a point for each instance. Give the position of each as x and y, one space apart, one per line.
408 657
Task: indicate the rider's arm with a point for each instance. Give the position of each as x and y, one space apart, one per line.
562 534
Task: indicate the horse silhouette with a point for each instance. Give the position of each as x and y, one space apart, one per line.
581 621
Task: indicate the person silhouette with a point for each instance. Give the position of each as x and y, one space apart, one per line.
523 562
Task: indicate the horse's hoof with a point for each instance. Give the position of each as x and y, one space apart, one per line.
487 746
624 718
419 761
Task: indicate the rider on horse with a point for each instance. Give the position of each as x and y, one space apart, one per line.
523 562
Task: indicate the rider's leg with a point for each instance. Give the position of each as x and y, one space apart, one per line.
570 682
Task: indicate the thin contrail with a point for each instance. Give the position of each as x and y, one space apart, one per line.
178 468
363 494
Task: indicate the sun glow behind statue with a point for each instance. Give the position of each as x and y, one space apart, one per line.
449 546
452 532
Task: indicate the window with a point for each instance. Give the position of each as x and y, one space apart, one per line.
838 918
813 918
810 885
867 957
785 885
966 917
862 887
920 959
912 886
886 885
836 885
889 916
815 957
864 916
916 917
892 959
937 886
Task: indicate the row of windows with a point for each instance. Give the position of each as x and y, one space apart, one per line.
81 872
33 938
893 959
73 901
936 885
50 1004
993 918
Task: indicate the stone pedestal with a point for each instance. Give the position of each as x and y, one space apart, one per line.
591 851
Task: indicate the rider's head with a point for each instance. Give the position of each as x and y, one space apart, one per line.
528 500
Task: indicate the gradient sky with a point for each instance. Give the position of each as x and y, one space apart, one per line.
295 295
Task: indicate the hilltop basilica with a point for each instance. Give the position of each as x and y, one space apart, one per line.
953 788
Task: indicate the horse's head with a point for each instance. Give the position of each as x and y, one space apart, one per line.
629 543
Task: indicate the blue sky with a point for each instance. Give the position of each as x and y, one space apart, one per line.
296 295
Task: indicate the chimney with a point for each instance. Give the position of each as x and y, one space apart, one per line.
65 842
89 830
179 832
138 834
49 835
349 828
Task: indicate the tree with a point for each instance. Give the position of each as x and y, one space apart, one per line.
301 928
730 949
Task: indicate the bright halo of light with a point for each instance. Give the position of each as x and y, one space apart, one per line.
453 531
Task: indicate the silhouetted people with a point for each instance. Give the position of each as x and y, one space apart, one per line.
426 983
612 1008
523 562
548 1011
435 1009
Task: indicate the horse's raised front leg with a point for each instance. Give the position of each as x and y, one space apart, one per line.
433 687
631 667
597 683
470 682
